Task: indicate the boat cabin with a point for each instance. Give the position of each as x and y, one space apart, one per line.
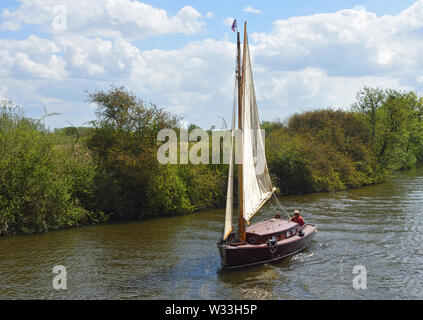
273 229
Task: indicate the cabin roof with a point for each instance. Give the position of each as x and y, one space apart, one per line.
270 226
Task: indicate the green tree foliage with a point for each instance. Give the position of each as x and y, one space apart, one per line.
321 150
327 149
41 183
205 185
133 183
397 135
123 143
368 102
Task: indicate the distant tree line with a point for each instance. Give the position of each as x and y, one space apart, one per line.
72 176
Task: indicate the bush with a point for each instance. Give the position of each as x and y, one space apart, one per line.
322 150
38 190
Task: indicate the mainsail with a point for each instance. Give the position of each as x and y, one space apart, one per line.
257 186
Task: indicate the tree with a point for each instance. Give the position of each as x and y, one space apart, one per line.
399 130
369 100
124 142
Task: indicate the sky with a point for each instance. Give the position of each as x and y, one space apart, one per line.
180 55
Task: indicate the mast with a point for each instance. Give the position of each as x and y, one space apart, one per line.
241 78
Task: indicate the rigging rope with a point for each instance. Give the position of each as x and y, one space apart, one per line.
279 205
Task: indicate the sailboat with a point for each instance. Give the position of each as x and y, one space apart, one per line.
266 241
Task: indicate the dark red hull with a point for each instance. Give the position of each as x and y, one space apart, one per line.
244 254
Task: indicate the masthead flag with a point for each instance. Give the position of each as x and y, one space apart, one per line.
234 25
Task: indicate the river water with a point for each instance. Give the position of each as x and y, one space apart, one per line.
379 227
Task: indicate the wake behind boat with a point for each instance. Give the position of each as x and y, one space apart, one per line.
269 240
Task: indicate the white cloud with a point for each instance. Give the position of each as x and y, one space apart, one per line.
302 63
53 68
3 92
345 43
110 18
98 58
313 87
31 58
251 10
10 26
209 15
198 77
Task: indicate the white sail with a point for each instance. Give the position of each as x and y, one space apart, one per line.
257 186
229 195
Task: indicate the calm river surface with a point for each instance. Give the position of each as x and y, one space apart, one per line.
379 227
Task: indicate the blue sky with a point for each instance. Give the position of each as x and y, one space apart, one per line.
180 54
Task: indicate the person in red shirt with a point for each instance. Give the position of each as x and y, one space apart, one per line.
298 218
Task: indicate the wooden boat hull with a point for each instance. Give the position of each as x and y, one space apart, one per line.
245 254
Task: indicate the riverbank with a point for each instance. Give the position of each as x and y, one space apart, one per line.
109 171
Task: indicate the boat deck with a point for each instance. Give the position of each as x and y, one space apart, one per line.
271 226
307 230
